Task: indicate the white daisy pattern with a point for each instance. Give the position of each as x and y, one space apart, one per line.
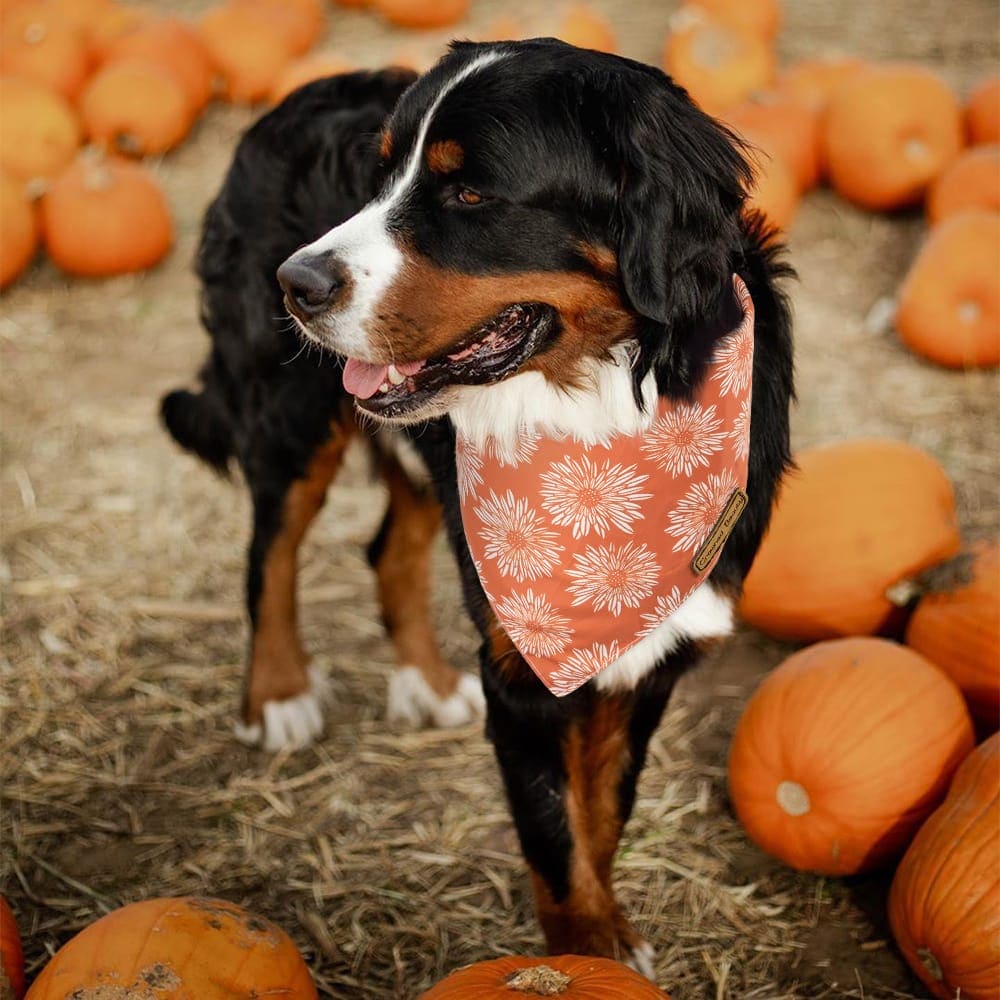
516 538
613 576
582 664
533 625
698 510
521 451
665 606
591 497
685 438
469 468
734 362
740 433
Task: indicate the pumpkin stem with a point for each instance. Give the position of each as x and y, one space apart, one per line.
952 574
930 963
539 981
97 176
793 798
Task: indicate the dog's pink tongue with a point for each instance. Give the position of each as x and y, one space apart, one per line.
362 379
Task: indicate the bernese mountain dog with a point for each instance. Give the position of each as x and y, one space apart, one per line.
552 246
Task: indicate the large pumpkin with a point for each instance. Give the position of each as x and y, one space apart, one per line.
851 521
194 947
948 308
944 904
570 977
888 133
958 629
11 955
843 751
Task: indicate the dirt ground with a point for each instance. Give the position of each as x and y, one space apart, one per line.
389 856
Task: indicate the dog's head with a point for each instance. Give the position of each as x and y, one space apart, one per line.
541 203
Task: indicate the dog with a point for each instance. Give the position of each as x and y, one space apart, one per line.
284 417
557 254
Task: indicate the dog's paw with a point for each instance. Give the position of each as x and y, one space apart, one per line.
290 723
641 960
413 702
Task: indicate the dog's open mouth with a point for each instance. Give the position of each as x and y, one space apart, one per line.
491 352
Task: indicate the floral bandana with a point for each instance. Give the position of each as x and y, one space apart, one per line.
584 550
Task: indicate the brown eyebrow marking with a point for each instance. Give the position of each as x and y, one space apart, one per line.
385 146
445 157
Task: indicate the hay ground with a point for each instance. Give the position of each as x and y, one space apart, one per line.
389 856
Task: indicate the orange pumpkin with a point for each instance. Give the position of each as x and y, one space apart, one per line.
11 955
571 977
190 946
117 21
775 192
355 4
504 29
944 904
843 751
852 520
299 22
38 45
82 15
174 46
782 127
41 132
302 71
18 229
982 113
136 107
422 13
815 81
888 133
948 309
958 629
104 216
763 17
586 28
972 181
718 64
246 52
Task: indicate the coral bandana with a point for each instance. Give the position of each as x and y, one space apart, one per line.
584 550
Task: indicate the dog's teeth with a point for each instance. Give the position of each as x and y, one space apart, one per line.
396 377
384 387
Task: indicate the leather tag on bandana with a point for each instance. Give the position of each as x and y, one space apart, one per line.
722 529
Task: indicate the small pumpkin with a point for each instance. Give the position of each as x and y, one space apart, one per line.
944 903
41 132
422 13
587 29
104 215
82 15
982 112
958 630
117 21
504 29
11 955
190 946
718 64
18 231
136 107
888 133
299 72
299 22
852 519
972 181
35 43
948 307
843 751
174 46
775 191
571 977
815 81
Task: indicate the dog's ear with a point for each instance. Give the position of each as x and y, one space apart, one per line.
676 224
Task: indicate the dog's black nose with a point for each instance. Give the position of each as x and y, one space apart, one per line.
310 284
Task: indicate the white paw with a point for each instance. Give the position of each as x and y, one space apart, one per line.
641 960
291 723
412 701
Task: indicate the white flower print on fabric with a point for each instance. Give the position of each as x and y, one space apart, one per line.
685 438
734 361
740 433
533 625
580 665
665 606
469 467
610 576
591 497
698 510
516 538
521 451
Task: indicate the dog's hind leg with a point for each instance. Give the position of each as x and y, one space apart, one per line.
424 688
281 701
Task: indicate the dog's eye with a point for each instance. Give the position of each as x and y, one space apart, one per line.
469 197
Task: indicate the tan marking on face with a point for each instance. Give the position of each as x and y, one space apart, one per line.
385 145
445 157
430 311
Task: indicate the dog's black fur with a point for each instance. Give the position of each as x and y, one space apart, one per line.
609 152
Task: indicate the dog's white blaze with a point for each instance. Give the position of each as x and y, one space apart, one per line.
366 248
706 614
